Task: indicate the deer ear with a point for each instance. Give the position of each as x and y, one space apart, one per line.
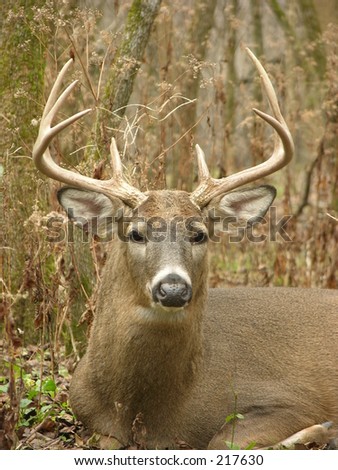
246 205
91 211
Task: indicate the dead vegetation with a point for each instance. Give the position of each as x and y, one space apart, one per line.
48 287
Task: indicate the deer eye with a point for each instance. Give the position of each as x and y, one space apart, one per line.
199 237
136 237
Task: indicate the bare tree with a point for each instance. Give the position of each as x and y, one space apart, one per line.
124 68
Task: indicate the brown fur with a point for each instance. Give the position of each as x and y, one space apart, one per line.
269 354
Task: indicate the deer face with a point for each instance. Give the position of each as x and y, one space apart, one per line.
165 238
167 243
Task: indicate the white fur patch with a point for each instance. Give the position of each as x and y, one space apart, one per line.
161 314
165 272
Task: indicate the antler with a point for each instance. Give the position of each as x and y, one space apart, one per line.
282 154
114 187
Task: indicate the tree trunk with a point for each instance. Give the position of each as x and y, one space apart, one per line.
124 69
196 46
21 77
22 64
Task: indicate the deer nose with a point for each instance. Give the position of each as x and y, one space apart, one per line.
172 291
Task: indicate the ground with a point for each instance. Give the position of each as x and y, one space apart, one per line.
34 407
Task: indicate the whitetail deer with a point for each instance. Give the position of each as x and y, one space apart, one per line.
169 353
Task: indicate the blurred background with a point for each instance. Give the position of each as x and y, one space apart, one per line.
161 76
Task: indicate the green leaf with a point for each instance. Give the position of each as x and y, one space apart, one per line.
25 402
32 394
26 411
49 386
229 418
24 423
233 416
44 409
4 388
251 445
232 445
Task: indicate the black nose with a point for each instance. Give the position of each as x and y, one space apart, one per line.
172 291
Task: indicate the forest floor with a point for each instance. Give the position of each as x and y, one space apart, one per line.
34 407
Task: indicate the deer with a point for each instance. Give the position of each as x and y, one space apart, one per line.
168 359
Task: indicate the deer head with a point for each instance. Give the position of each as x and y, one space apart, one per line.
170 280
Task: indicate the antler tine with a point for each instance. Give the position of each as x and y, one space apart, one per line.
115 160
114 187
203 171
55 88
282 153
266 82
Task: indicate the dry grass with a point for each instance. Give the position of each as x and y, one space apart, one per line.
49 289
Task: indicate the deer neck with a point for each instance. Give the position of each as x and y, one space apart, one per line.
153 356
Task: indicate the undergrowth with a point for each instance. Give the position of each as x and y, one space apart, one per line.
196 90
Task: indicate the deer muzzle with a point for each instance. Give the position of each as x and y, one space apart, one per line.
172 291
